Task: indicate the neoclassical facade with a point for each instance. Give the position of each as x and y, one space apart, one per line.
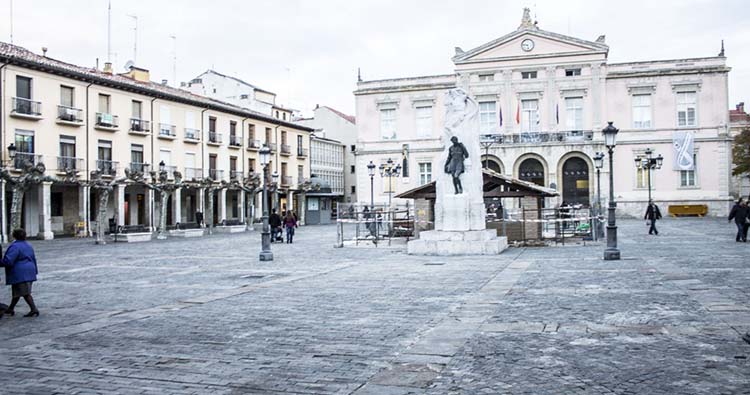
84 119
543 100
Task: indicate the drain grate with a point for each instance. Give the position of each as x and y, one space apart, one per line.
434 264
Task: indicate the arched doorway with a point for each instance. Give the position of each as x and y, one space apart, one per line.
532 170
493 163
575 181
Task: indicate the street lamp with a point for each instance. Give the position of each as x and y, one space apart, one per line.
611 253
599 163
647 162
371 172
265 238
389 170
12 151
162 167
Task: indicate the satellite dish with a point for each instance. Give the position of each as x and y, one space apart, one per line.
129 64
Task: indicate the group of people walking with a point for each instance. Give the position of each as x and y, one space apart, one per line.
280 223
741 215
21 270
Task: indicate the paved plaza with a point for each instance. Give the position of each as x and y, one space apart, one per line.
205 316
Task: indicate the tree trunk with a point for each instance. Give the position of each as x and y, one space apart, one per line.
16 207
163 217
101 218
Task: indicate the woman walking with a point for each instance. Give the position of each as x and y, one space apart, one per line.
20 272
290 223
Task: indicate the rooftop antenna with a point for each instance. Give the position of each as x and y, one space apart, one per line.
11 21
109 31
174 59
135 38
359 74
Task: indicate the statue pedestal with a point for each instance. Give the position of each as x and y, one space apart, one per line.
445 243
459 213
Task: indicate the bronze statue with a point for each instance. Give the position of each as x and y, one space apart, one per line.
454 165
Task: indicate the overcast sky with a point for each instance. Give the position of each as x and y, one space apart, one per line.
308 52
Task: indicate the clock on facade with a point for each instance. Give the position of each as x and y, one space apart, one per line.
527 45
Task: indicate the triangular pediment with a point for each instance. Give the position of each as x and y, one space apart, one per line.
544 43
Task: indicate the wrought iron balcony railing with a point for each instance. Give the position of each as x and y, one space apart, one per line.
137 167
216 175
107 167
253 144
26 157
214 137
286 149
70 163
69 114
193 173
574 136
272 146
24 106
192 134
140 125
302 152
286 180
106 120
235 174
235 141
167 130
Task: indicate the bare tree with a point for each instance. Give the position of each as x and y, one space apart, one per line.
31 175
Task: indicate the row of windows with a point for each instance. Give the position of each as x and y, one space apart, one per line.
529 75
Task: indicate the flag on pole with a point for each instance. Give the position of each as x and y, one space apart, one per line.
518 114
500 116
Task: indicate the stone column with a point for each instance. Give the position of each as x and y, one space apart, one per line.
120 201
45 210
177 206
553 100
303 208
150 198
222 205
241 204
290 200
201 202
3 227
84 208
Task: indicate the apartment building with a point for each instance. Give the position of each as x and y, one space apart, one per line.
73 117
542 100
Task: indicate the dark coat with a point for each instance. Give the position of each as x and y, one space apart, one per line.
739 214
652 212
274 220
20 263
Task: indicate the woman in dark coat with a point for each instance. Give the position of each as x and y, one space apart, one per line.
20 272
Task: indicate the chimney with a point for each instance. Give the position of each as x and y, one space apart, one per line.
164 82
107 68
44 51
138 74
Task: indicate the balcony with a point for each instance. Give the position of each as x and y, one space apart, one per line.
139 126
302 152
214 138
69 116
192 135
193 173
286 181
23 158
235 175
25 108
137 167
105 121
65 163
216 175
576 136
170 171
272 146
107 167
253 145
286 150
167 131
235 141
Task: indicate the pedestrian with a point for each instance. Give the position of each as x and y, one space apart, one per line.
20 272
274 221
290 223
652 214
741 214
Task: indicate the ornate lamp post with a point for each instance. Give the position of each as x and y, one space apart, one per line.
265 251
647 162
611 253
599 163
371 172
388 170
12 152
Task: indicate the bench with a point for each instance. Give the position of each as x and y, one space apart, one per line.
230 226
688 210
132 233
186 229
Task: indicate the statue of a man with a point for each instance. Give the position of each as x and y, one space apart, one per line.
454 165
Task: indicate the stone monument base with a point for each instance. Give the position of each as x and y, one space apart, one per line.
471 242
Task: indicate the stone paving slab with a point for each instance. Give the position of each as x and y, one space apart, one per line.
205 316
